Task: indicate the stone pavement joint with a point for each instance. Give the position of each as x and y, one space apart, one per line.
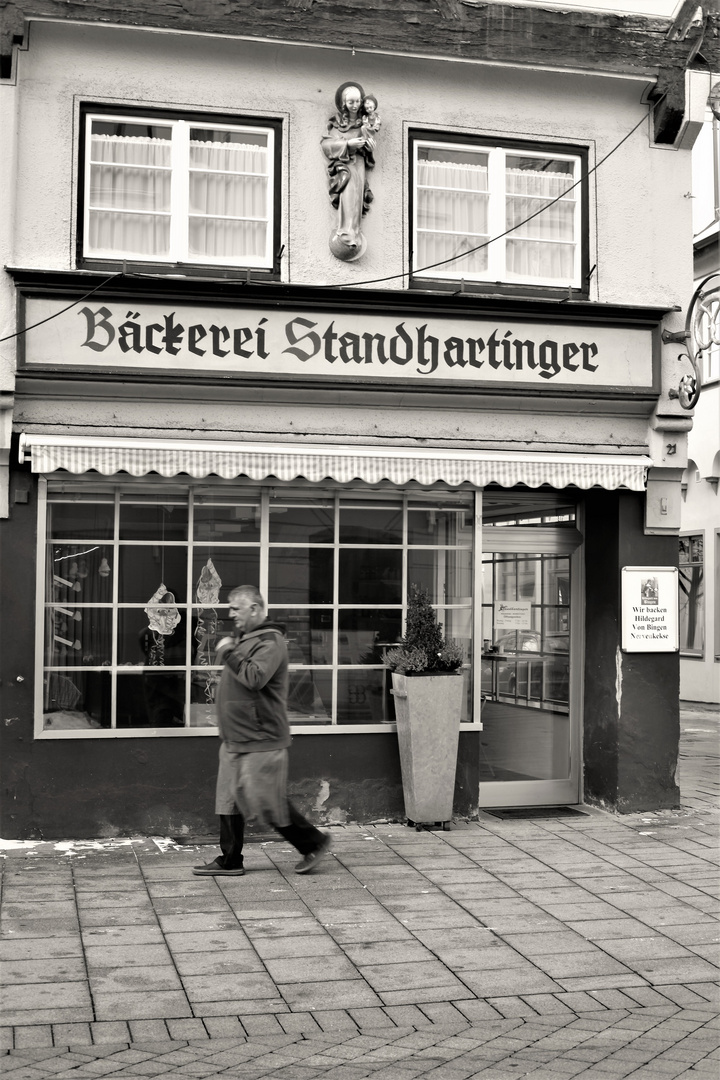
553 948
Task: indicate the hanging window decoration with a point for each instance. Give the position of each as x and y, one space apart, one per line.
163 617
207 596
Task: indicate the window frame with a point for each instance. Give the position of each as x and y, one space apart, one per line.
685 652
268 266
443 279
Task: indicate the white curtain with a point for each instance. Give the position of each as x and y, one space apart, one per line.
544 246
228 198
452 215
129 174
228 181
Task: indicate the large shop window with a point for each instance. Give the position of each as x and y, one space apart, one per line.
466 196
171 190
692 595
137 581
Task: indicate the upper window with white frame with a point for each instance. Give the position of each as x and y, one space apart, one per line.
508 215
179 190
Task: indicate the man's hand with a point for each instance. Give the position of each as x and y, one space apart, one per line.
224 644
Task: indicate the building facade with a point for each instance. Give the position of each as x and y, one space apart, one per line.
258 332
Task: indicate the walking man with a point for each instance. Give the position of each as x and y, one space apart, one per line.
251 705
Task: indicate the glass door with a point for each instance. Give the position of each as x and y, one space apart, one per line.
530 711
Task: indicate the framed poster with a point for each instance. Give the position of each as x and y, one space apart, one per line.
650 609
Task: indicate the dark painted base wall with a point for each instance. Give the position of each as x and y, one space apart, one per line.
632 716
82 788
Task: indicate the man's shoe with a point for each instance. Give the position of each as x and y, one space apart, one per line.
310 861
215 869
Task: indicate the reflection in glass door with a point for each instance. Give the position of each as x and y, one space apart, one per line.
529 714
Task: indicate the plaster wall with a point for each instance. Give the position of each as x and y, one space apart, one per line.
429 422
638 212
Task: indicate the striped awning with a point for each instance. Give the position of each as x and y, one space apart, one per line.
290 461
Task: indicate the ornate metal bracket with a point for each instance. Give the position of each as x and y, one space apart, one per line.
701 334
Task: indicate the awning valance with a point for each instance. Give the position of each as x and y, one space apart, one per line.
290 461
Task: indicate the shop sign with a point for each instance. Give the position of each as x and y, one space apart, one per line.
198 339
650 609
512 615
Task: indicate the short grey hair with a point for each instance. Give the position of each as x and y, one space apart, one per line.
250 592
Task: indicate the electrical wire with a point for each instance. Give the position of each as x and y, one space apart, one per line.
49 318
389 277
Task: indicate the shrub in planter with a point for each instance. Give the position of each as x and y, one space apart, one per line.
423 650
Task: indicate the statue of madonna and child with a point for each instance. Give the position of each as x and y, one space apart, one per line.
349 147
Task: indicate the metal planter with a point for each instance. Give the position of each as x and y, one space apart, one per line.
428 710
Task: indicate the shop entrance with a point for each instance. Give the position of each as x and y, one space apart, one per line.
530 705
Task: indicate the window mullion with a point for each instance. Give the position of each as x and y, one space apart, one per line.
115 614
497 215
263 584
180 191
336 609
190 641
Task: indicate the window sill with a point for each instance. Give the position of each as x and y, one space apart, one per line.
186 271
389 728
494 289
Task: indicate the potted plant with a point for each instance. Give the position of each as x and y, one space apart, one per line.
428 692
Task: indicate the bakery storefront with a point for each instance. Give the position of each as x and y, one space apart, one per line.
141 533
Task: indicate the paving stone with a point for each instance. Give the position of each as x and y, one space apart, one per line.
283 948
261 1025
682 995
98 957
149 1005
372 1017
708 990
411 1015
144 934
511 1006
253 985
231 962
33 1037
48 947
239 1006
442 1012
110 1031
335 1021
222 1027
299 1023
143 1029
187 1029
645 995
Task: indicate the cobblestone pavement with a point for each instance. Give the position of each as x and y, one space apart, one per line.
574 946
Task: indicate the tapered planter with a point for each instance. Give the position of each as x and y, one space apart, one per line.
428 710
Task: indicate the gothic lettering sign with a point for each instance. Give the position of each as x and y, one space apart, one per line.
650 609
196 339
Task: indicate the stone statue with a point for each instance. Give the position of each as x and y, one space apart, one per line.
349 147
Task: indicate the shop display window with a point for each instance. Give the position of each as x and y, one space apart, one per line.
502 214
178 189
137 580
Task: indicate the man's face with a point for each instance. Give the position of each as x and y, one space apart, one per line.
245 614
